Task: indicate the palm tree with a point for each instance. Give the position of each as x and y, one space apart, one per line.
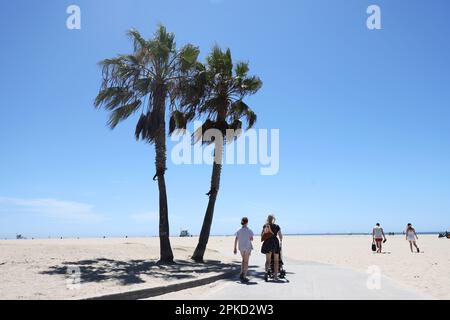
145 81
215 95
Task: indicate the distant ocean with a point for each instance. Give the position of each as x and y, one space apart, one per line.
228 235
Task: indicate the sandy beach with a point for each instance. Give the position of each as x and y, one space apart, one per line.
37 269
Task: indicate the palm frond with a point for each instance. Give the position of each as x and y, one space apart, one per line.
241 69
240 109
234 131
251 85
251 118
200 132
148 126
178 121
138 41
123 113
113 97
188 57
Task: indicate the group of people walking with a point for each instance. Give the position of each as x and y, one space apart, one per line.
379 237
271 238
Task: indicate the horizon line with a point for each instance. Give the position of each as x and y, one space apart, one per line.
391 233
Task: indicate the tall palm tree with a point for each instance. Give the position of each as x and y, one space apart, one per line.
147 81
215 95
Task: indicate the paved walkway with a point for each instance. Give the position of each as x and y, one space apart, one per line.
304 280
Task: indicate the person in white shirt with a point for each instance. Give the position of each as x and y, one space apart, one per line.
411 236
378 236
243 241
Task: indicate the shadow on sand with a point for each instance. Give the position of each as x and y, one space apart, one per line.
134 271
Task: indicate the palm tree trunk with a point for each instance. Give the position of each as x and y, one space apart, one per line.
207 221
166 254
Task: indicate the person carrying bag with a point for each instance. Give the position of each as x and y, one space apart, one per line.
267 233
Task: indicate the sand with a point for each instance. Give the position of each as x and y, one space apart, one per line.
36 269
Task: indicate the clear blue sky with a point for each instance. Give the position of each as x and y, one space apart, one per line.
363 118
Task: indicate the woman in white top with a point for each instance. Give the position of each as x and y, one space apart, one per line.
244 238
378 236
411 236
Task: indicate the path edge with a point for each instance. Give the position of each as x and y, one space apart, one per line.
157 291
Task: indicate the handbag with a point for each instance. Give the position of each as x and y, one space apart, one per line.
374 246
267 233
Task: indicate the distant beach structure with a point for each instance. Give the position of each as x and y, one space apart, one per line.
185 233
20 237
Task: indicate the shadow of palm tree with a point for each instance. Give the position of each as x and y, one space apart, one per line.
137 271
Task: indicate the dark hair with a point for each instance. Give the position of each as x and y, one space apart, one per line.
409 225
378 224
244 221
270 219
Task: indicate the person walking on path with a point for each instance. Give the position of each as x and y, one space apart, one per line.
243 241
378 237
271 244
411 236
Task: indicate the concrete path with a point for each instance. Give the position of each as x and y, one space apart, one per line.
304 280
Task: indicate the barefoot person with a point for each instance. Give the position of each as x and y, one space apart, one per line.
271 245
411 236
378 236
244 238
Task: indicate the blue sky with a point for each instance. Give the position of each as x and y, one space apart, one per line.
363 118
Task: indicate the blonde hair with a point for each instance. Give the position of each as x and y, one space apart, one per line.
270 219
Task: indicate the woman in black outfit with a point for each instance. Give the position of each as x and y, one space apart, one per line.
272 245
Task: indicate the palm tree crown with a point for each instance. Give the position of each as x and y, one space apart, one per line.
215 94
138 81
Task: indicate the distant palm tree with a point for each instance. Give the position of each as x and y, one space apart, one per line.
215 95
146 80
